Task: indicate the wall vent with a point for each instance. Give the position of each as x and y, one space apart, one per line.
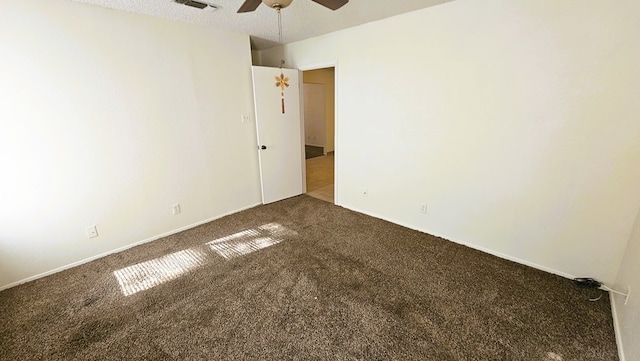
196 4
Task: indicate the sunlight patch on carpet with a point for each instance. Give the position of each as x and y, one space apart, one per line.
245 242
240 247
145 275
277 230
552 356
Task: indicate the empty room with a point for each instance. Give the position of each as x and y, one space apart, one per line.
486 180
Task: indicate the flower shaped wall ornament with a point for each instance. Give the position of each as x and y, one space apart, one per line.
282 82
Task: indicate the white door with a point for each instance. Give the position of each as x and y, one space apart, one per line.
276 93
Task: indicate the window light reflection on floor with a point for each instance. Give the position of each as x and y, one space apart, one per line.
245 242
146 275
277 230
239 247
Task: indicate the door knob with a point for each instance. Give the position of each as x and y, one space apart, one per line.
263 147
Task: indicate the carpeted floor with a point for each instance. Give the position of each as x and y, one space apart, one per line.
302 279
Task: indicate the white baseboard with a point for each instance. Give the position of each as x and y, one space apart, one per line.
616 327
474 246
120 249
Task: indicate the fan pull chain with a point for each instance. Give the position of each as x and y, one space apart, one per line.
282 82
280 32
279 25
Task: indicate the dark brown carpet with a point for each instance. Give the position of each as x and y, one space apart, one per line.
338 286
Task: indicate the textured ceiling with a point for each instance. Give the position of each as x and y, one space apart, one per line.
303 19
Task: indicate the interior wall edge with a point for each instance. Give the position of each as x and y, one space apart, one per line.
616 327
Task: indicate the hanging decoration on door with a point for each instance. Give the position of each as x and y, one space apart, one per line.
282 82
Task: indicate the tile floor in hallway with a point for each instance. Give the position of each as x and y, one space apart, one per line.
320 177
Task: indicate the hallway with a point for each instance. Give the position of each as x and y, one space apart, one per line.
320 176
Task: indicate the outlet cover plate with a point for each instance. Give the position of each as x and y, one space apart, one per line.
92 232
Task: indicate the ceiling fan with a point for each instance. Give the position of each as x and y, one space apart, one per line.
251 5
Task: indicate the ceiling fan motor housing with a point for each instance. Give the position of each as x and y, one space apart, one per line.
281 4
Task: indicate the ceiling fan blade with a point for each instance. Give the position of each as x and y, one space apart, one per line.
332 4
249 5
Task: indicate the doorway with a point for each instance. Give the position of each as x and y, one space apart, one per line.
319 132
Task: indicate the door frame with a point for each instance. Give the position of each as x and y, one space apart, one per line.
315 66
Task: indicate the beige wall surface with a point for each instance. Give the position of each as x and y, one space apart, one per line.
110 118
515 122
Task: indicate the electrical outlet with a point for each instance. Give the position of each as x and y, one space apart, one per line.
246 118
365 193
92 232
423 208
176 208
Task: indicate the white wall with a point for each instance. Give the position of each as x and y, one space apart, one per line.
314 114
515 121
109 118
628 316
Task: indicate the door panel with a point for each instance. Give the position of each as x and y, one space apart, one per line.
279 134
